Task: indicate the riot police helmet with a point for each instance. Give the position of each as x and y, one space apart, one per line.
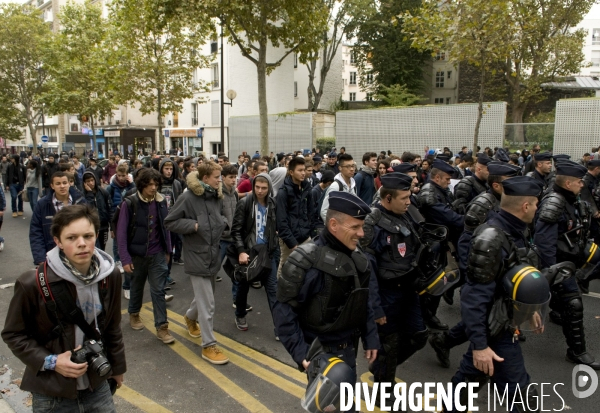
326 374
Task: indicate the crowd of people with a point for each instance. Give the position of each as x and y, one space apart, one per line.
346 249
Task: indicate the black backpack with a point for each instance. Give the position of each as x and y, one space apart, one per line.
132 204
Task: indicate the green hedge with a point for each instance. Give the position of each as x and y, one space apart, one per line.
325 145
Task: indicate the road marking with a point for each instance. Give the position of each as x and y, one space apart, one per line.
140 401
248 365
229 387
248 352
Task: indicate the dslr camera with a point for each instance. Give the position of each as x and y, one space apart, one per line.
92 352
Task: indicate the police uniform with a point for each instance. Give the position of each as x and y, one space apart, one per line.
436 207
469 187
392 245
483 207
543 179
561 235
591 194
493 251
323 293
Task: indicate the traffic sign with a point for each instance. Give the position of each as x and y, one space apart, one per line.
44 138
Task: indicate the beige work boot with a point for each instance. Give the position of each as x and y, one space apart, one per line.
214 355
135 321
192 327
163 334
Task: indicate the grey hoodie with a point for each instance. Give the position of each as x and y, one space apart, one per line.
88 298
230 199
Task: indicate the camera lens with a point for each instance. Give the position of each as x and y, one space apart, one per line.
100 365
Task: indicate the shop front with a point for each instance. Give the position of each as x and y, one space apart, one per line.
190 140
130 141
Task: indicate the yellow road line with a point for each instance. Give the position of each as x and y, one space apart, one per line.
140 401
259 357
251 367
233 390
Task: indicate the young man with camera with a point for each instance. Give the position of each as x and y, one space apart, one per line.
63 321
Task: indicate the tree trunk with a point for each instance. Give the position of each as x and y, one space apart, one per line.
312 68
95 146
518 110
159 118
31 127
261 70
479 110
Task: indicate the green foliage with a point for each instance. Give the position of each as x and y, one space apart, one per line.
23 44
325 144
383 50
157 51
81 65
397 95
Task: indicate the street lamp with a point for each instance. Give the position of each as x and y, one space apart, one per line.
231 94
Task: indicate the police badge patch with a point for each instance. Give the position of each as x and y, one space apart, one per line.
402 249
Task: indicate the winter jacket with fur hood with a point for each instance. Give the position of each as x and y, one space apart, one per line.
205 208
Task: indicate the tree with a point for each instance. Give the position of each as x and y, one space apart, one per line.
397 95
342 20
543 47
23 39
81 66
158 53
383 53
11 117
258 25
473 31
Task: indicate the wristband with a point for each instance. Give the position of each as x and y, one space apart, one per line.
50 362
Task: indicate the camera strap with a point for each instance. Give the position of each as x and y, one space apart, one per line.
62 301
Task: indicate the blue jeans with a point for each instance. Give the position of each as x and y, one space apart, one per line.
14 190
222 252
117 257
154 269
33 194
97 401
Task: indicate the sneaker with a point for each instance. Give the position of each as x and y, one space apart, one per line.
214 355
192 327
168 298
14 214
218 279
162 333
178 262
241 323
248 307
256 285
277 338
135 321
127 294
170 281
120 267
20 213
1 246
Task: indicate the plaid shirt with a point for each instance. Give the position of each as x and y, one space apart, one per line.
58 205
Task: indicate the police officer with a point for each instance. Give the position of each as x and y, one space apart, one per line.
392 244
590 193
471 186
323 291
561 234
493 350
436 206
542 163
409 169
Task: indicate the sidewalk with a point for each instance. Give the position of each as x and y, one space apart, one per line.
13 399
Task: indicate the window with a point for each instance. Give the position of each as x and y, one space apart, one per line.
352 96
440 56
448 100
216 147
194 79
449 74
352 57
352 78
369 97
74 127
295 60
439 79
295 89
194 114
214 46
596 58
369 78
214 115
595 37
439 101
215 75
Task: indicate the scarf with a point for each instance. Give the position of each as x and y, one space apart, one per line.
368 169
335 243
208 188
92 272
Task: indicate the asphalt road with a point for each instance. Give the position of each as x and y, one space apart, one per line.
261 376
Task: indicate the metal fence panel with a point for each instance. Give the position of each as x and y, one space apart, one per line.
411 128
577 127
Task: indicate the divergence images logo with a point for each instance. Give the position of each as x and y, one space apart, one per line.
584 376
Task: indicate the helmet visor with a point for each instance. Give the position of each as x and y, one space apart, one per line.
529 317
322 395
441 282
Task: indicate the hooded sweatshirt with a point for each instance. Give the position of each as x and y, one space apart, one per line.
278 176
170 187
88 297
